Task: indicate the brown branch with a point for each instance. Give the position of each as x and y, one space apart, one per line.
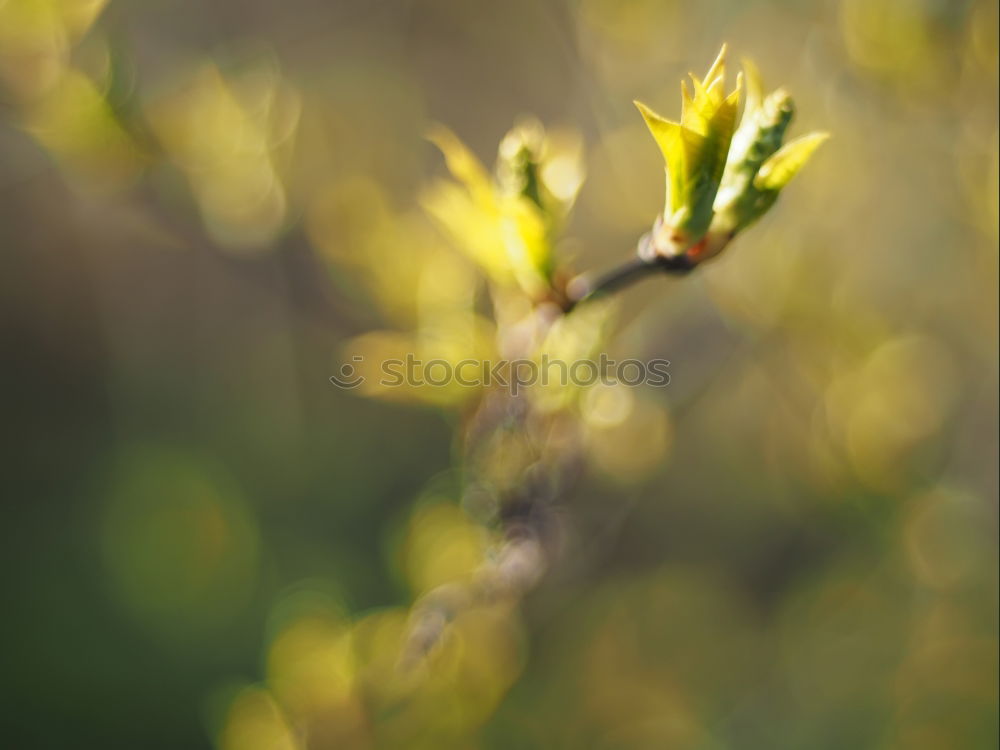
583 289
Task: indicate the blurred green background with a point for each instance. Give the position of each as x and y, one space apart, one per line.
794 545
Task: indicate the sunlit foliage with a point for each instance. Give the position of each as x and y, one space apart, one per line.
210 208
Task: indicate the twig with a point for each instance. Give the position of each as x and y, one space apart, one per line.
583 289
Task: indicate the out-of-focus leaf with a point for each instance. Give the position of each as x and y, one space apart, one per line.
461 162
76 125
470 225
505 234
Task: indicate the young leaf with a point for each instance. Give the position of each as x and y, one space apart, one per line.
462 163
782 166
678 148
755 88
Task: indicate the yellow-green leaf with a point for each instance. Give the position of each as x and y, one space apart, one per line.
721 127
471 226
755 87
782 166
665 132
718 69
462 163
676 144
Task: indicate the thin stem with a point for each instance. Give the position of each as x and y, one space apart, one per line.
583 289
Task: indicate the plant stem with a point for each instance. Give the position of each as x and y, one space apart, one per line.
583 289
